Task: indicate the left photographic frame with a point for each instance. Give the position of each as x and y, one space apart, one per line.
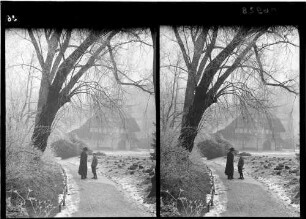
80 121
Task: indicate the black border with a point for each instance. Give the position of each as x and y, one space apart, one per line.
157 107
147 14
129 14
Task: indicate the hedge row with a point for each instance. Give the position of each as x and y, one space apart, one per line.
68 148
213 148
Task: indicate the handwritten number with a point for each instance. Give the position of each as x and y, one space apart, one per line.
266 10
251 10
11 18
258 10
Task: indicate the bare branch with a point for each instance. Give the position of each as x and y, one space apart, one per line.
115 72
181 44
87 66
173 66
27 65
208 52
52 45
38 53
234 65
66 66
215 64
261 73
60 56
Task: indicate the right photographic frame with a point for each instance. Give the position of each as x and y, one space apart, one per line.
230 119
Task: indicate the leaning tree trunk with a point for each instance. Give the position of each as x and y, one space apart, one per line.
193 117
45 118
53 96
189 96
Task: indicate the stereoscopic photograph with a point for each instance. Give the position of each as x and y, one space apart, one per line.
80 122
229 121
146 109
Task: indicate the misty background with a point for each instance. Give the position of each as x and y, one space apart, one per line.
284 60
134 58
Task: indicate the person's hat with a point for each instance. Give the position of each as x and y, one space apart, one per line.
85 149
232 149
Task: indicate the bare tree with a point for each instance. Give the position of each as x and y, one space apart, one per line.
64 60
212 55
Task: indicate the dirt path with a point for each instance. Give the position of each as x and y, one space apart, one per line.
96 198
247 197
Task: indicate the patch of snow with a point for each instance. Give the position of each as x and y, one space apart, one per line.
139 153
283 153
133 192
279 192
72 198
220 197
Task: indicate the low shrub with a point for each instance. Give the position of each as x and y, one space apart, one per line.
33 179
184 185
214 147
100 154
71 147
65 149
245 154
189 208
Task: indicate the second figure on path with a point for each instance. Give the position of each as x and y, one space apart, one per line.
240 166
94 164
229 169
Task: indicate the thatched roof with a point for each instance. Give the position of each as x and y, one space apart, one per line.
112 122
98 127
248 122
253 123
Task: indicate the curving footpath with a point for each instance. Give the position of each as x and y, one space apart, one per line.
248 197
97 198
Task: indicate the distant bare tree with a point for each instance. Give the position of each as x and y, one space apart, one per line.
170 109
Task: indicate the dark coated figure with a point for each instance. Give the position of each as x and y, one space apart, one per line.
83 164
229 169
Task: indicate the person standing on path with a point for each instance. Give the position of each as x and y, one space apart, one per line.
240 166
229 168
83 164
94 164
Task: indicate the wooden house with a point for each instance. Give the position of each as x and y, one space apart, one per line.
255 132
111 132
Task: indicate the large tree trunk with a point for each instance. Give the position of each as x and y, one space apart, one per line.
45 118
199 97
51 98
42 129
189 96
193 117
